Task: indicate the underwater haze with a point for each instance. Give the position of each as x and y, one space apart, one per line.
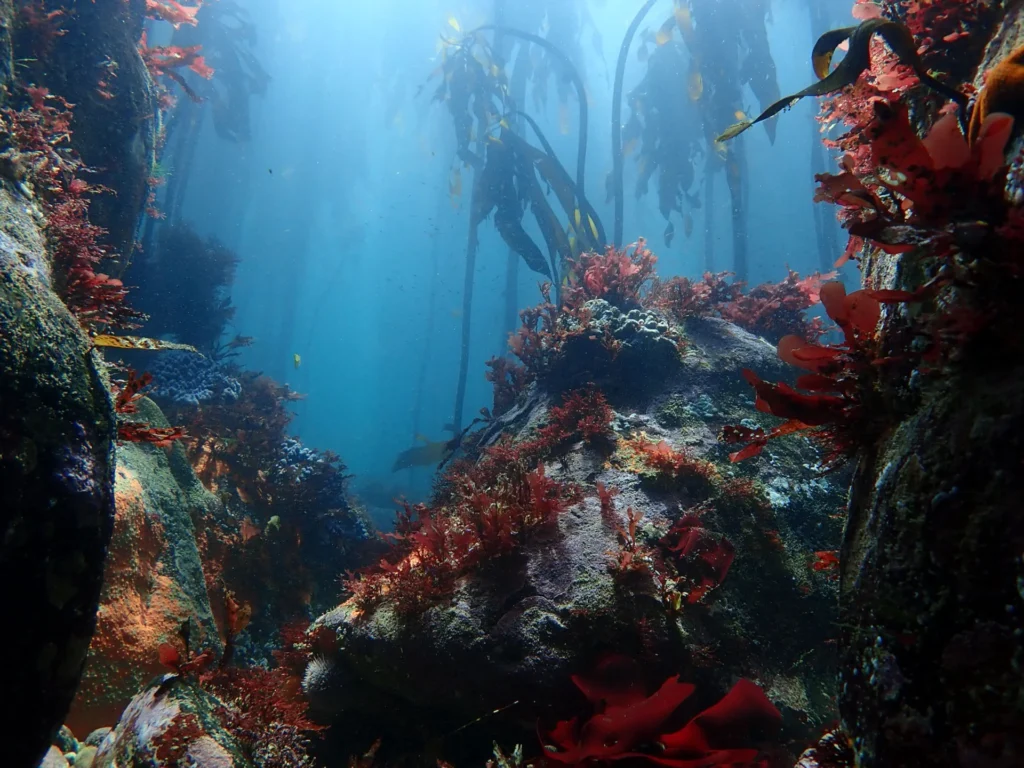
353 248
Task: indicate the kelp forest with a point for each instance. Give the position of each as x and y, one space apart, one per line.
512 383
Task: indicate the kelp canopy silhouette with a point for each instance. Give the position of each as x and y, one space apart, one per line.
510 171
511 176
707 51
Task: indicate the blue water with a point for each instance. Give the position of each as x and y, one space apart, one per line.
352 250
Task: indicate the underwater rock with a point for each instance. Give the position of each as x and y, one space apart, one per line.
54 758
96 737
190 379
171 722
931 582
645 352
115 136
154 579
931 585
56 486
524 622
65 740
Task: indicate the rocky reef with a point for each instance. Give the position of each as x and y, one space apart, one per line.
659 549
153 581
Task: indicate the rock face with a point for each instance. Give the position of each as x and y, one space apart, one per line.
153 580
116 135
170 723
932 581
518 628
56 486
56 417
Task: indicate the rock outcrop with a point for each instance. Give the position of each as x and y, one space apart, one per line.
525 622
153 582
56 485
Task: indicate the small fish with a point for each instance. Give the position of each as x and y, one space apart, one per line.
297 360
629 147
455 184
273 525
664 34
454 24
429 454
593 228
688 225
270 171
739 114
563 119
669 233
695 86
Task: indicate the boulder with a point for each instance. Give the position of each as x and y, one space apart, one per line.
56 484
154 580
525 622
171 722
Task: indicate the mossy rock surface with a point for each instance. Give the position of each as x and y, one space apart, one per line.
154 580
56 484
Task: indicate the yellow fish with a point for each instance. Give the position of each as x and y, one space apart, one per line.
629 148
683 19
426 455
297 360
454 24
455 184
695 86
664 35
739 114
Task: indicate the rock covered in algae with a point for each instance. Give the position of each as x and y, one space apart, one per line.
932 580
153 580
171 722
56 486
524 623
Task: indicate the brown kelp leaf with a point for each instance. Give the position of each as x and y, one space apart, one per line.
139 342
